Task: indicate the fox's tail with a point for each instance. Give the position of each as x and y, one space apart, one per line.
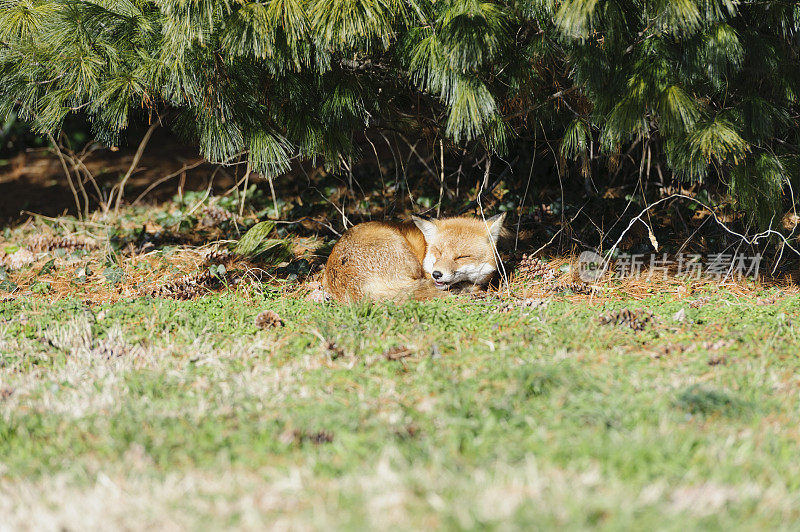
402 289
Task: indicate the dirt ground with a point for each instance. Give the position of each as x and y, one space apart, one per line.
34 181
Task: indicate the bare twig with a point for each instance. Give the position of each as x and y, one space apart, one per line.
274 197
66 172
483 192
120 187
79 181
753 241
82 166
205 195
83 174
167 178
559 231
558 173
525 195
402 166
244 189
441 178
486 173
459 171
413 148
323 224
61 220
345 220
380 171
499 259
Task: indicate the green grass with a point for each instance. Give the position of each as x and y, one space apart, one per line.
186 414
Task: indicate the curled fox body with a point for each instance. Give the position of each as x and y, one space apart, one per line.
419 260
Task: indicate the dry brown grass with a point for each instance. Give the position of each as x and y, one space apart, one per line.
641 286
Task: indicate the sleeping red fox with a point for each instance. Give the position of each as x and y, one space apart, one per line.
419 260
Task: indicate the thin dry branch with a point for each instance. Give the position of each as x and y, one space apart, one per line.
63 161
166 178
753 241
120 188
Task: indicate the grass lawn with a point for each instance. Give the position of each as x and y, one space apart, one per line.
146 413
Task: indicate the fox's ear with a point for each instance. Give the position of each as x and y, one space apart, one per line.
428 228
495 224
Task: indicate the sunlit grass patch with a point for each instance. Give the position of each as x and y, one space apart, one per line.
524 417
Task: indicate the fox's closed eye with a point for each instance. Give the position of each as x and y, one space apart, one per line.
463 257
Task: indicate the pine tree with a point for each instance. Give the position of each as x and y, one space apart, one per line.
709 88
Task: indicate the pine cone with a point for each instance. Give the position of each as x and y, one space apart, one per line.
636 319
186 287
533 268
217 256
268 319
214 216
108 350
321 436
577 288
397 353
42 243
298 436
528 304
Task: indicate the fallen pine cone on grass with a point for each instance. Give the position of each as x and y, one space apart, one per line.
268 319
217 256
299 437
397 353
527 304
42 243
636 319
536 269
186 287
576 288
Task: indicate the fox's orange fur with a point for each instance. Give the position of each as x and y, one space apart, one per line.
420 260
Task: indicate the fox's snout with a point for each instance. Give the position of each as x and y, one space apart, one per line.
472 272
444 272
441 271
442 276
